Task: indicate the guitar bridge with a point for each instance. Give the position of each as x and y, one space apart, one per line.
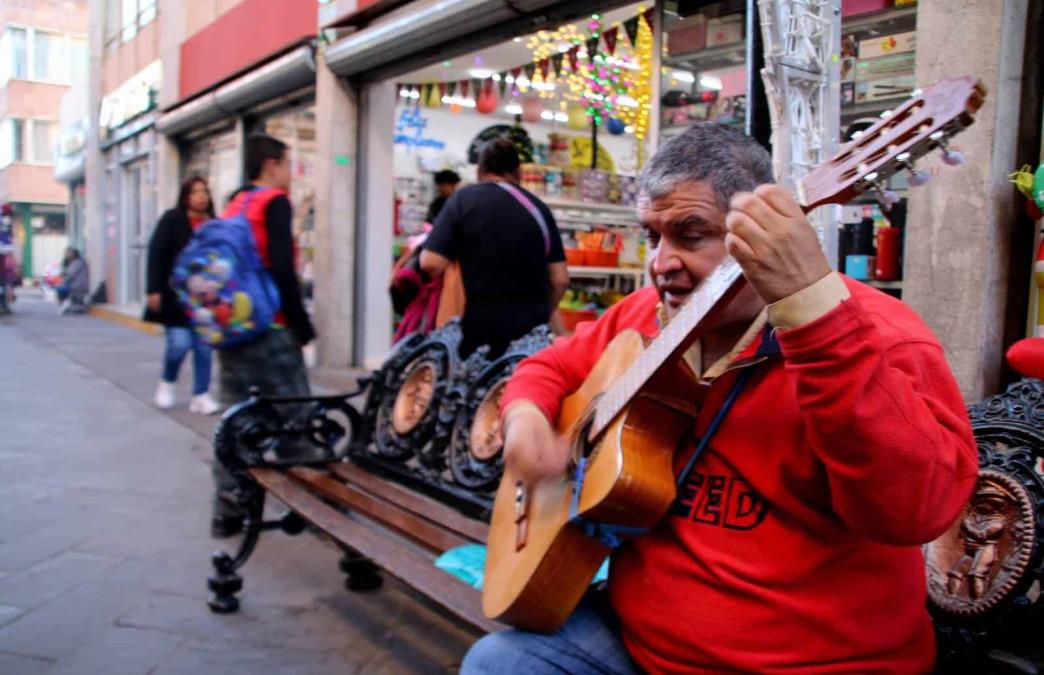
521 512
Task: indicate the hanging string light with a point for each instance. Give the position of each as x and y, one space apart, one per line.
640 91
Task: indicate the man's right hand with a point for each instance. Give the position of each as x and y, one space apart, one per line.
153 301
530 445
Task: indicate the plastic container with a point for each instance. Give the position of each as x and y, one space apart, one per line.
571 317
602 258
575 256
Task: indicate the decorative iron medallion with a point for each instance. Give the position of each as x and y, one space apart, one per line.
485 439
984 555
413 399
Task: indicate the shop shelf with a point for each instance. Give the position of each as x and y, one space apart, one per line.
871 108
711 58
584 271
904 17
560 203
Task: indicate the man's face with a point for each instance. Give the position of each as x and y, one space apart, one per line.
279 172
446 189
686 233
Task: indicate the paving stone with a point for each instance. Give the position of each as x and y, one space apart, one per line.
68 622
14 664
9 613
119 651
49 578
106 516
214 657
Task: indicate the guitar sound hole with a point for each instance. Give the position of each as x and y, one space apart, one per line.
583 448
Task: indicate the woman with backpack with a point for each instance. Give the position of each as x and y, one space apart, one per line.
172 233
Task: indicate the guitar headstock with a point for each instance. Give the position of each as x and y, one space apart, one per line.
921 124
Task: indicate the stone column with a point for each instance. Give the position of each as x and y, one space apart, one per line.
336 111
94 170
374 237
959 225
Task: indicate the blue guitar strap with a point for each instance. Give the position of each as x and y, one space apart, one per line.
610 534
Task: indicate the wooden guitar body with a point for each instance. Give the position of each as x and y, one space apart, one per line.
629 481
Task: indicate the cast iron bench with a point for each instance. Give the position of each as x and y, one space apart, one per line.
411 473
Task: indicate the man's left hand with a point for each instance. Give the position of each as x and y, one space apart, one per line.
771 239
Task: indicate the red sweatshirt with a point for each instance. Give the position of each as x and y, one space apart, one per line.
793 545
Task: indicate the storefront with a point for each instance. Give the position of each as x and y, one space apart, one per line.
129 205
622 78
276 97
573 90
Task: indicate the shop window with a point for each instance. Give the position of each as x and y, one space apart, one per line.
43 141
15 54
11 141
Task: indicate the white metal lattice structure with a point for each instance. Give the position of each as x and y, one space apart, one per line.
802 82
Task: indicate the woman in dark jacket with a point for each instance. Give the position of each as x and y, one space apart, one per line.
172 233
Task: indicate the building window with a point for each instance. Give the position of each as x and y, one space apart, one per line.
129 20
43 141
135 15
15 53
146 12
48 60
78 59
12 146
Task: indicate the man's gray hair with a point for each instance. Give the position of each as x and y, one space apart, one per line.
731 160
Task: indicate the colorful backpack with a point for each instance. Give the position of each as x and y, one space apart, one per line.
222 285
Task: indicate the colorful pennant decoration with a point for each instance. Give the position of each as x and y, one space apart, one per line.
610 40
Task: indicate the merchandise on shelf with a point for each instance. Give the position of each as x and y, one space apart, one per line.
888 44
894 86
724 30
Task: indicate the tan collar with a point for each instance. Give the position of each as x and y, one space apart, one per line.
693 356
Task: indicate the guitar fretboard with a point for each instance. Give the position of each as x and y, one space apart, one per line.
675 337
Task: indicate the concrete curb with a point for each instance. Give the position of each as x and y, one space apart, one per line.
124 319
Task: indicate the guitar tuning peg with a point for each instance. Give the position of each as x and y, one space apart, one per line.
918 178
887 198
953 157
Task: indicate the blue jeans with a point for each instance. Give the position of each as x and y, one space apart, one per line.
179 341
587 644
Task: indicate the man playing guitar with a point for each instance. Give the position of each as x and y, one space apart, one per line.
793 544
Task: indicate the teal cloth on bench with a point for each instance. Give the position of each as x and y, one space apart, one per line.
468 563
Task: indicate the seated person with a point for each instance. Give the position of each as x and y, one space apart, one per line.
794 542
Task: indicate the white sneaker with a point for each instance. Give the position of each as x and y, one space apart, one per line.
64 307
203 404
165 395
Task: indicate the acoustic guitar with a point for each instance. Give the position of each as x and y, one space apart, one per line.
624 424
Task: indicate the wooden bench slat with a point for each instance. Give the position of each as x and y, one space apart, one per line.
404 522
408 565
422 505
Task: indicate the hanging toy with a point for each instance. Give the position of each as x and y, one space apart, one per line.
616 126
1038 188
1032 186
487 101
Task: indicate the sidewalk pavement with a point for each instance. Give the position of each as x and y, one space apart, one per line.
104 550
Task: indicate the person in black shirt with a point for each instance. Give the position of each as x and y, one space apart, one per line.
446 183
509 249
